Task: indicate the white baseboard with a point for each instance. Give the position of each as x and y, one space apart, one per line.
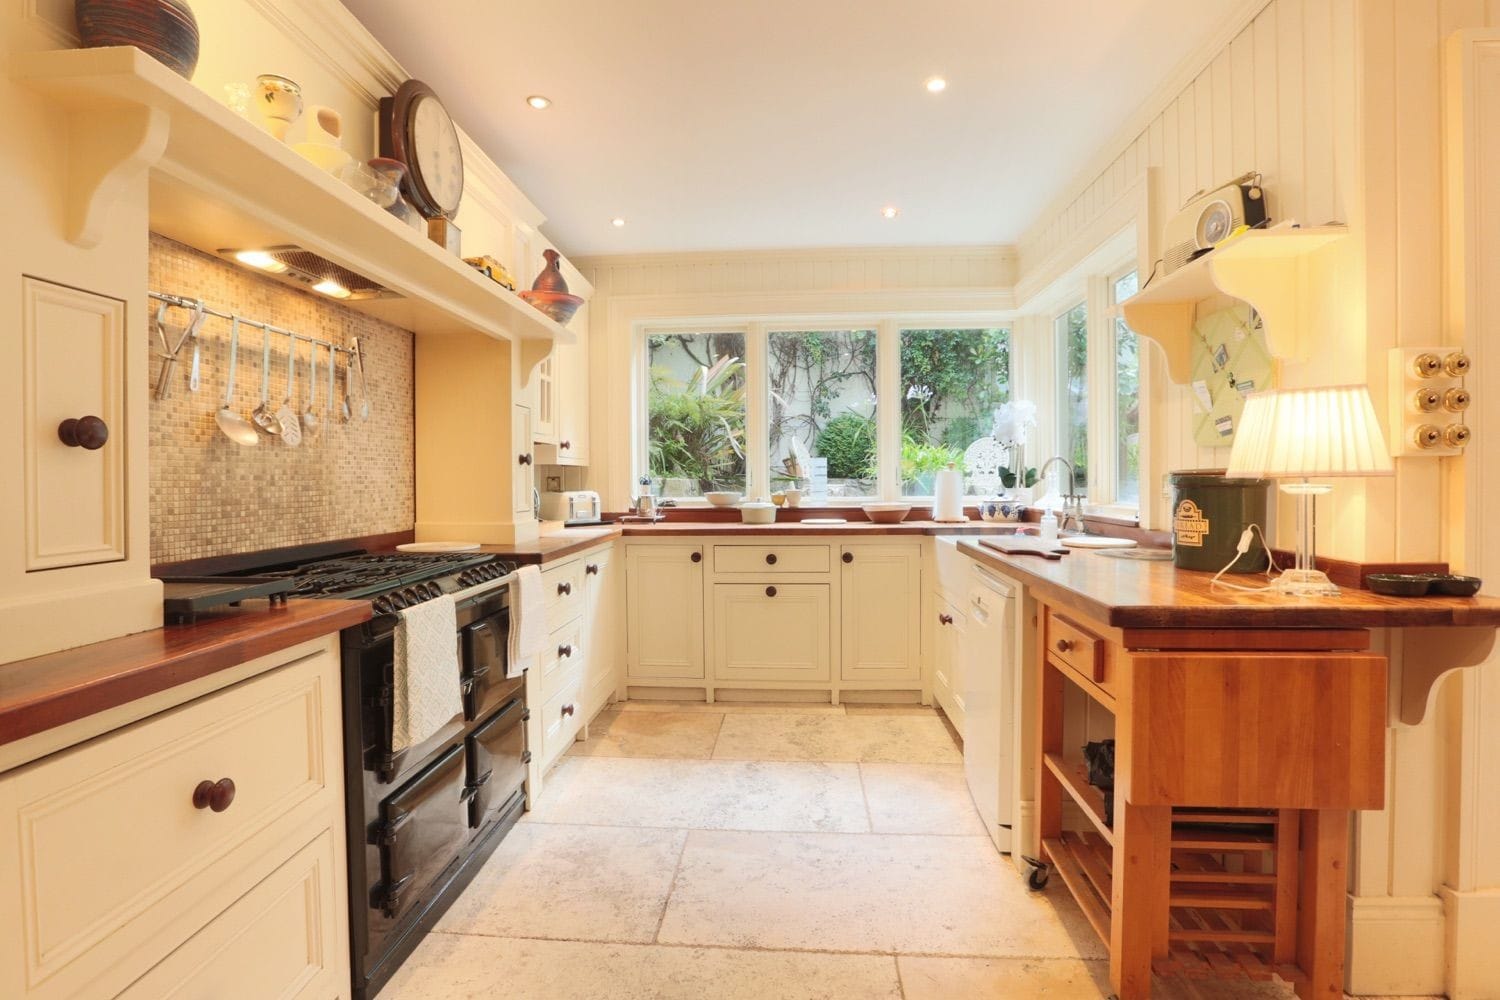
1471 955
1396 946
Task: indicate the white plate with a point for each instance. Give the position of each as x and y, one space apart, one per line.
438 547
824 520
1097 542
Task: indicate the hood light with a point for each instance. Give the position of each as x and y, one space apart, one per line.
260 259
332 288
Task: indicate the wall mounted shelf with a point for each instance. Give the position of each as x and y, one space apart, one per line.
217 181
1269 268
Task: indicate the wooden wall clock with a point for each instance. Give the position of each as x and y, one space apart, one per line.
416 129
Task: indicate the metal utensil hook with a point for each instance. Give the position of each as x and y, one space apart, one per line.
169 351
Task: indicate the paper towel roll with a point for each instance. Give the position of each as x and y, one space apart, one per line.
948 496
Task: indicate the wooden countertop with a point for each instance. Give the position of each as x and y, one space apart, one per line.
1134 594
737 529
49 691
557 545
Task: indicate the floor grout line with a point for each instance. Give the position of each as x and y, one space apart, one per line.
671 888
864 794
763 949
742 829
900 982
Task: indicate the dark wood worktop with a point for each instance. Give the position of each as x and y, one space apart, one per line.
861 528
1129 593
52 690
557 545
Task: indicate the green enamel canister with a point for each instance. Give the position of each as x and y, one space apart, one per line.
1209 513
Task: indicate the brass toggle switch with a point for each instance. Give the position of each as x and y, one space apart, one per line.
1427 399
1456 400
1456 435
1428 436
1427 365
1457 364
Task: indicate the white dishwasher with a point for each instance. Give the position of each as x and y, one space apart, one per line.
991 651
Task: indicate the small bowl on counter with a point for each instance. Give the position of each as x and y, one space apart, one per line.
887 511
723 498
758 511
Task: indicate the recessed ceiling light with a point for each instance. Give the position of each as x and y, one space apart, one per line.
539 102
890 211
936 85
617 222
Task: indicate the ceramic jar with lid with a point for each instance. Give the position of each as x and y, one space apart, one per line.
758 511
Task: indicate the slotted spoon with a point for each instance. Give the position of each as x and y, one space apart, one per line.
311 423
235 427
286 413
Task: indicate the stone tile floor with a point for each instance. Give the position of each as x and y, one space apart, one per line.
748 852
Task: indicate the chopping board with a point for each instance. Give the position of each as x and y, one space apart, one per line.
1098 542
1016 545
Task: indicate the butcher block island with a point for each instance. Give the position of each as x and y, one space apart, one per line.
1247 728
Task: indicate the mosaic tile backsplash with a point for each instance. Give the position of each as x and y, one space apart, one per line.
210 496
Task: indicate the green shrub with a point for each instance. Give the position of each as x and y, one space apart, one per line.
848 442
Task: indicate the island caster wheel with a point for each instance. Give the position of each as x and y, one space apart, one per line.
1037 880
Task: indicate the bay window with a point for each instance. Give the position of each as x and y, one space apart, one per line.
821 388
696 412
1126 354
951 383
1071 331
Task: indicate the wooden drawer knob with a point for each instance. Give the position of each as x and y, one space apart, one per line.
88 433
1063 645
564 588
697 557
770 591
565 650
592 569
848 557
565 445
945 619
770 559
524 459
567 710
215 795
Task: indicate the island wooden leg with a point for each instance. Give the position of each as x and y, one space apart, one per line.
1320 912
1140 896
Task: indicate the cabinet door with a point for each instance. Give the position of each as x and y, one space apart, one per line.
664 611
772 632
544 400
881 613
572 393
948 651
600 621
525 477
73 369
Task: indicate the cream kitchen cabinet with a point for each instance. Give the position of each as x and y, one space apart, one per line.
544 400
948 651
602 599
199 851
523 484
771 631
880 617
560 389
664 612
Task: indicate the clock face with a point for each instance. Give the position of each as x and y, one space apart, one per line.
435 155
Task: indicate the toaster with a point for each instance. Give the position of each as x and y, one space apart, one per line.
571 507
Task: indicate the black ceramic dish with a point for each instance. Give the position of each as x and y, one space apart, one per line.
1457 586
1399 584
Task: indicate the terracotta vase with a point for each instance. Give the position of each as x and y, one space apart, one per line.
163 29
551 279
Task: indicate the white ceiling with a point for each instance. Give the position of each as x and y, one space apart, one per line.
790 123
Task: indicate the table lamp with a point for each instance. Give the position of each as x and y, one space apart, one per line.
1300 435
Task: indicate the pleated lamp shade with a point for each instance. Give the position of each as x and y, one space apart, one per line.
1307 433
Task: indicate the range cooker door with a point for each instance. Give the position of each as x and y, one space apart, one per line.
381 756
422 828
497 761
485 646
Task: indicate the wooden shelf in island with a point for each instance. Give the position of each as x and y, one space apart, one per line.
1272 269
218 182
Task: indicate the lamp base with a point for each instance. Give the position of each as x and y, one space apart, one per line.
1304 583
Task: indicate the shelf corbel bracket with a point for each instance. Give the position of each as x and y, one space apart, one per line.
1427 656
109 151
534 350
1275 289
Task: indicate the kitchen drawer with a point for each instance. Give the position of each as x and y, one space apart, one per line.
116 864
562 586
762 559
562 657
1080 652
953 569
562 717
284 939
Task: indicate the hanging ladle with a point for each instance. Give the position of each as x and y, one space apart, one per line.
235 427
311 423
264 417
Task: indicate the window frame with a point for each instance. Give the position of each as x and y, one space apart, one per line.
756 331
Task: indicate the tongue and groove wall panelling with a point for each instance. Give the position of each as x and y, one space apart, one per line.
210 496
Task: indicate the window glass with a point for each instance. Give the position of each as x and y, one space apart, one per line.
696 412
951 382
1127 398
1073 394
822 405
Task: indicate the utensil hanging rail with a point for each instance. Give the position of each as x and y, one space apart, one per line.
197 304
